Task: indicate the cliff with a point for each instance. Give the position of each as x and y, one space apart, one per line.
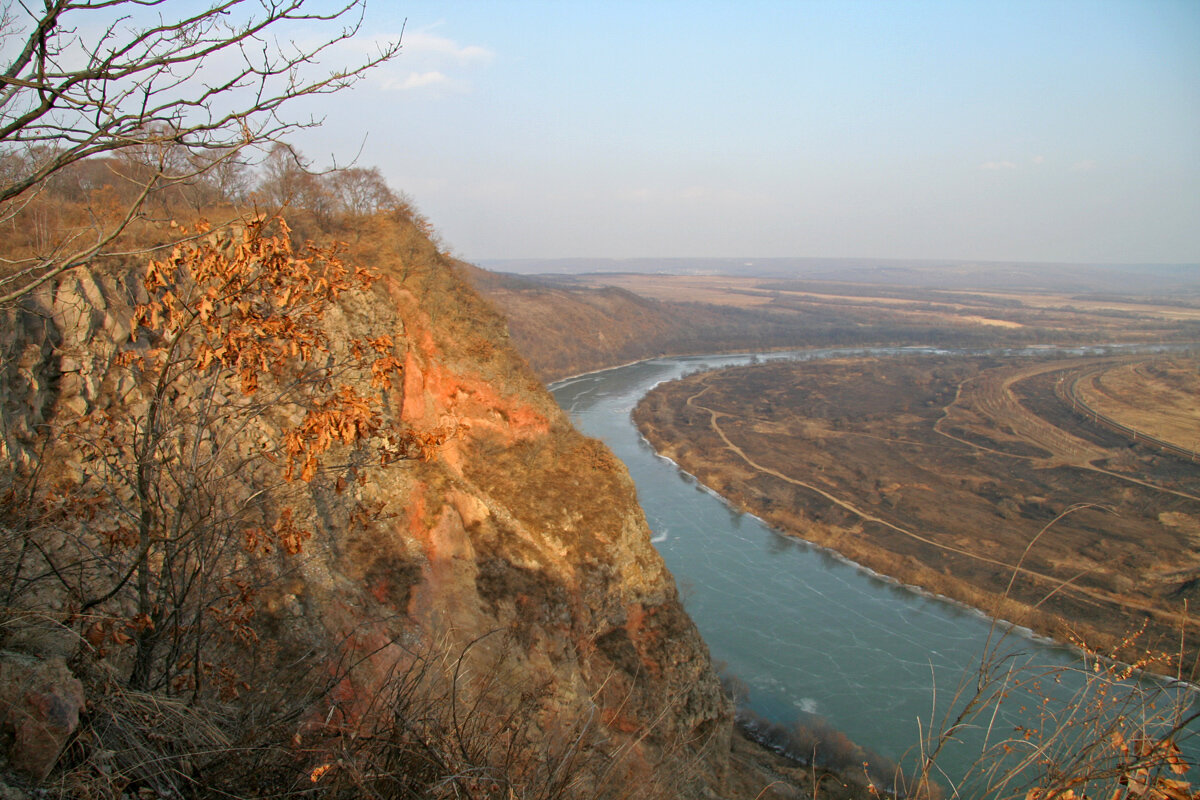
480 609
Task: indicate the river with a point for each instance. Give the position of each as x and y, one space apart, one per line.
808 633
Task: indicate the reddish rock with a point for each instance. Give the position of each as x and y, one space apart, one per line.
40 703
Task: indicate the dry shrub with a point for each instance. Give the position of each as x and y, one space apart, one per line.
144 740
445 722
812 741
448 722
1116 734
1113 730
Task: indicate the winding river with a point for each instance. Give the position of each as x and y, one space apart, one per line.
808 633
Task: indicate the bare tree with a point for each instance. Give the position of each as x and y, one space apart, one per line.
362 191
178 95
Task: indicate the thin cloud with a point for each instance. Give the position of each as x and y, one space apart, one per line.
1084 166
694 195
421 45
997 165
435 64
420 80
427 62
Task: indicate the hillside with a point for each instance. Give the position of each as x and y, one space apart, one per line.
459 596
563 328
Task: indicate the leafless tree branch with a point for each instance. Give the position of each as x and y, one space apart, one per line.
88 78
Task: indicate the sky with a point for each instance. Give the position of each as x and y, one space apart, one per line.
1013 131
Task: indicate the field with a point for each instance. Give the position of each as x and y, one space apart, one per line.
1060 494
570 324
1063 312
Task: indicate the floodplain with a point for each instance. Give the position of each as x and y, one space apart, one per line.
1061 494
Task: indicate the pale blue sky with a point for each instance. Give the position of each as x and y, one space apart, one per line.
1045 131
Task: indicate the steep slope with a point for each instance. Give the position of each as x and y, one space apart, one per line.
510 569
566 330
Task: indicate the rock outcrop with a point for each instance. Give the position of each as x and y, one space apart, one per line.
40 701
516 553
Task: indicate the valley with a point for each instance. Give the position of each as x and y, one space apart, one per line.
295 502
569 324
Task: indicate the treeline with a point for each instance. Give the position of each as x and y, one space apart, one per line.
89 197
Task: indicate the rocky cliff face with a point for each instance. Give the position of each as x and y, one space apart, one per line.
513 562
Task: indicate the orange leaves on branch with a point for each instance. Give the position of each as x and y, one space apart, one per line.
1140 777
385 366
346 417
117 536
285 534
107 631
413 444
426 444
383 369
365 514
382 344
318 772
237 611
243 300
290 536
256 541
234 377
242 303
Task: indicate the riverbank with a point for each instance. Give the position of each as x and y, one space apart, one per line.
864 471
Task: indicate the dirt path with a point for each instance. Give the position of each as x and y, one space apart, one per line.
991 395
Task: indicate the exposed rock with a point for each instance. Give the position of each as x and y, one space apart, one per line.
518 549
40 703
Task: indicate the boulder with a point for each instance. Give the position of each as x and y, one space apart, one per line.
40 701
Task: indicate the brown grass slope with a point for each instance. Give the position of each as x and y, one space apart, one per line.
565 330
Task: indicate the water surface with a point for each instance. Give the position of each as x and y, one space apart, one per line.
806 631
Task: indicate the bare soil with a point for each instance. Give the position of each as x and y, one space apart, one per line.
981 479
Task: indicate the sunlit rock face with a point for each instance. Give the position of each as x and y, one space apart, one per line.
512 553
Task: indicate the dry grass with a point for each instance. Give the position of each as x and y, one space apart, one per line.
1115 735
973 306
1158 397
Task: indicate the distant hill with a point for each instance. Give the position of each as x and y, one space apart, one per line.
563 328
569 324
915 273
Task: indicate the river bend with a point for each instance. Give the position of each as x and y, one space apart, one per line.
807 632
